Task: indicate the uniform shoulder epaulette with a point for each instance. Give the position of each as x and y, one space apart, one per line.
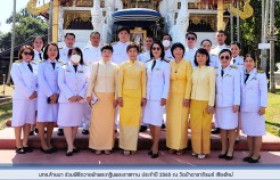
165 60
86 48
18 61
216 67
260 71
242 57
233 66
148 60
62 63
113 43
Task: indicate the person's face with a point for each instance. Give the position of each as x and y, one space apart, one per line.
38 44
106 54
69 41
207 45
95 40
191 41
27 55
178 53
221 38
132 53
249 64
234 50
225 59
123 36
201 59
156 51
148 43
52 52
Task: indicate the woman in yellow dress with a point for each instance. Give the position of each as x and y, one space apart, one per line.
131 96
202 103
101 96
177 109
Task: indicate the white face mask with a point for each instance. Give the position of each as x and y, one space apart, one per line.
166 43
75 58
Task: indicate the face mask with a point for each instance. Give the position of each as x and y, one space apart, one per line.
75 58
166 43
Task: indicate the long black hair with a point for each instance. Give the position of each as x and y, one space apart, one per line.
161 47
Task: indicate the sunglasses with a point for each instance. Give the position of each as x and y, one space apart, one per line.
191 38
225 57
28 53
156 48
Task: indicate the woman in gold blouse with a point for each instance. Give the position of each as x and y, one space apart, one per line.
202 104
177 109
101 96
131 96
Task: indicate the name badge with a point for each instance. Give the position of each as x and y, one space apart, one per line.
80 71
157 69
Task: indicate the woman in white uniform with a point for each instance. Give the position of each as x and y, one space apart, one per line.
253 105
24 97
227 102
73 82
158 80
48 96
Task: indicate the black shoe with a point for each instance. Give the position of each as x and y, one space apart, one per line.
153 156
143 128
251 160
36 130
46 151
150 152
163 126
76 150
216 131
229 157
85 132
69 153
20 150
28 149
31 133
60 132
222 156
246 159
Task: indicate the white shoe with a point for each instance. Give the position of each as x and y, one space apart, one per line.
201 156
194 154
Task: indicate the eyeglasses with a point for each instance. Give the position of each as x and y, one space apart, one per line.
28 53
225 57
156 48
191 38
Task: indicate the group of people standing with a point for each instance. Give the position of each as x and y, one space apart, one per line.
119 86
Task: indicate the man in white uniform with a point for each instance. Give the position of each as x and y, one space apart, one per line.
120 54
145 56
69 40
220 38
191 40
167 43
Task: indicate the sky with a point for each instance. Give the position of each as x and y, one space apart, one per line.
6 10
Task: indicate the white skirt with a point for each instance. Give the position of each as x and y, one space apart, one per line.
23 112
252 124
46 112
225 118
70 114
153 113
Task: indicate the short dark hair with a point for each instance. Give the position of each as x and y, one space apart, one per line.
251 56
225 50
133 46
191 33
204 40
150 37
222 32
168 36
79 52
237 44
161 47
23 48
202 51
123 28
70 34
94 32
177 45
108 47
45 54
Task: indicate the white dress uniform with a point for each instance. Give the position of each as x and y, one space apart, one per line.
168 54
63 55
158 82
239 62
144 57
71 84
47 82
120 54
214 61
253 96
25 82
189 55
227 95
215 51
91 54
38 56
